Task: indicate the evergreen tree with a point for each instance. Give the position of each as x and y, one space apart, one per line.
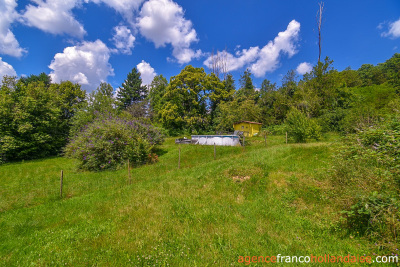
289 83
132 90
229 83
267 86
246 84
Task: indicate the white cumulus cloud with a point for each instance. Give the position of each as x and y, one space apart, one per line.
393 30
266 59
8 43
123 40
163 22
86 64
54 16
304 68
147 72
284 43
125 7
6 69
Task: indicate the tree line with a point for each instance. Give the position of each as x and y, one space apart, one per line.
37 117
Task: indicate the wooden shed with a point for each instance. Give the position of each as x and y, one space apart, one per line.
249 128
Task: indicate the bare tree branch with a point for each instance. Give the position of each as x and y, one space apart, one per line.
319 24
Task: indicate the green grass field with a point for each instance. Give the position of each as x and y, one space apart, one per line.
254 202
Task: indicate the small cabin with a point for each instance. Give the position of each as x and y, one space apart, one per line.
249 128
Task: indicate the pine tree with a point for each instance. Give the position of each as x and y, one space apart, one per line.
132 90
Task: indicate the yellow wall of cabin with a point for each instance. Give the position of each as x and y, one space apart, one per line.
249 129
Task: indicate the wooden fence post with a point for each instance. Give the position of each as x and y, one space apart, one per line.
265 139
61 183
129 173
286 137
179 160
215 153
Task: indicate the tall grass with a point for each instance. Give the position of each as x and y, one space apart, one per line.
194 216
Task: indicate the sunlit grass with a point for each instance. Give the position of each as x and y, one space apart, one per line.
193 216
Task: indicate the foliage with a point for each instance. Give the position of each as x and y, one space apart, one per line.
376 215
369 105
109 141
132 90
185 101
99 102
157 91
391 68
276 129
42 77
367 173
34 118
218 92
247 88
267 86
234 111
300 128
289 84
140 111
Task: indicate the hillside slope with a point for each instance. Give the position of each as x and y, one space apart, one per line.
254 202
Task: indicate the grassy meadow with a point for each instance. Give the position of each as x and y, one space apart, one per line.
257 201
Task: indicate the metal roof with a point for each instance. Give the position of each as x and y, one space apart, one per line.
247 122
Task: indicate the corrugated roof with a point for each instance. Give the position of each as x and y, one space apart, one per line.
248 122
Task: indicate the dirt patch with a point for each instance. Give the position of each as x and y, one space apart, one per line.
243 174
240 199
240 179
299 204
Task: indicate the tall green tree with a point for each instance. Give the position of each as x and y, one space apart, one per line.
247 89
42 77
70 98
132 90
98 103
229 83
267 86
185 101
31 124
266 101
391 68
158 88
289 83
246 85
218 92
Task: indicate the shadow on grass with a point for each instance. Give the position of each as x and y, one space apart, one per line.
32 160
160 151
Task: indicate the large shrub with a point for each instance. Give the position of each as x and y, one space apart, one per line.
366 172
300 128
109 141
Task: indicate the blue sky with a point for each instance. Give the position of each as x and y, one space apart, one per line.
89 41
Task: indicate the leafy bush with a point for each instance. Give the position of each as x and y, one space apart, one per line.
276 129
332 120
376 215
110 141
365 166
300 127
